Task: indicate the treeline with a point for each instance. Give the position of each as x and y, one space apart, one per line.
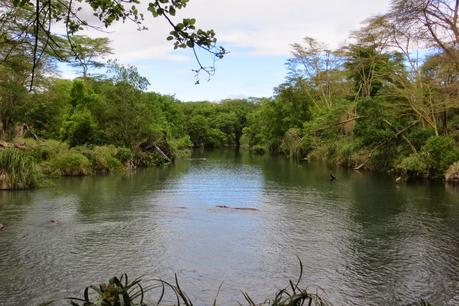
87 111
105 124
388 100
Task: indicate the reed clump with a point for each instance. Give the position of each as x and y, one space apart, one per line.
17 170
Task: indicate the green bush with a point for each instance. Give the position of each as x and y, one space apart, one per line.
47 149
17 170
440 154
181 146
103 159
124 155
436 155
414 165
70 163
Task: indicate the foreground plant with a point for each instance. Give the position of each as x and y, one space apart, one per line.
121 292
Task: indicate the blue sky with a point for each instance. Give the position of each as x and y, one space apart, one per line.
258 34
237 76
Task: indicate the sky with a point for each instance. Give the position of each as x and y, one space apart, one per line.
257 33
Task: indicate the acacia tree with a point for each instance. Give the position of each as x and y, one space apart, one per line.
431 22
319 66
89 50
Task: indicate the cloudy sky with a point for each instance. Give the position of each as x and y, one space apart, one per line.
258 34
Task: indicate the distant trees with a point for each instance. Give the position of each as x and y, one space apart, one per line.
216 125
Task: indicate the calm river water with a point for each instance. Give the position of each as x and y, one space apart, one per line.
362 239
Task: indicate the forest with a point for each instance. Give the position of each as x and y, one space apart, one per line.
387 100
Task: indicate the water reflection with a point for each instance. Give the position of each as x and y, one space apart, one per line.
362 239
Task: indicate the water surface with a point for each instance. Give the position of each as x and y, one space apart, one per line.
362 239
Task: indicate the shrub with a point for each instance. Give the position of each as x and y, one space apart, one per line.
414 165
70 163
181 147
440 154
47 149
17 170
103 158
124 155
436 155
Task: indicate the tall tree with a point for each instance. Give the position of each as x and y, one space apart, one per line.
89 51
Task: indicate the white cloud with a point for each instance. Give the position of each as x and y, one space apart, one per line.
262 27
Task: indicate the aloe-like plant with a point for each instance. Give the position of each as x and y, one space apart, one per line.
117 292
292 295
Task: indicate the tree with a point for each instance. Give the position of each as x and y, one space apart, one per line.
88 50
13 94
129 74
431 22
36 31
319 66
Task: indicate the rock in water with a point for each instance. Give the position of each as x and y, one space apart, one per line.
452 174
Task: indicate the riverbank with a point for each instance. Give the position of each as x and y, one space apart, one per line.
436 159
25 162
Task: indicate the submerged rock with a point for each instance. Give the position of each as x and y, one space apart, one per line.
247 208
238 208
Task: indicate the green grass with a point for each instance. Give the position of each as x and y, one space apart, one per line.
17 170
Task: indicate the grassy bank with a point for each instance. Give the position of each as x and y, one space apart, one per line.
24 162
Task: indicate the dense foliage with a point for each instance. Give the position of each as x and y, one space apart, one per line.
372 104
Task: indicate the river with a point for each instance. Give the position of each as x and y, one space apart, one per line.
362 239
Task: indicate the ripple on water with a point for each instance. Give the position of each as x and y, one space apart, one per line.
361 240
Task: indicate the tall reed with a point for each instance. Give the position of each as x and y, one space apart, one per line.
17 170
